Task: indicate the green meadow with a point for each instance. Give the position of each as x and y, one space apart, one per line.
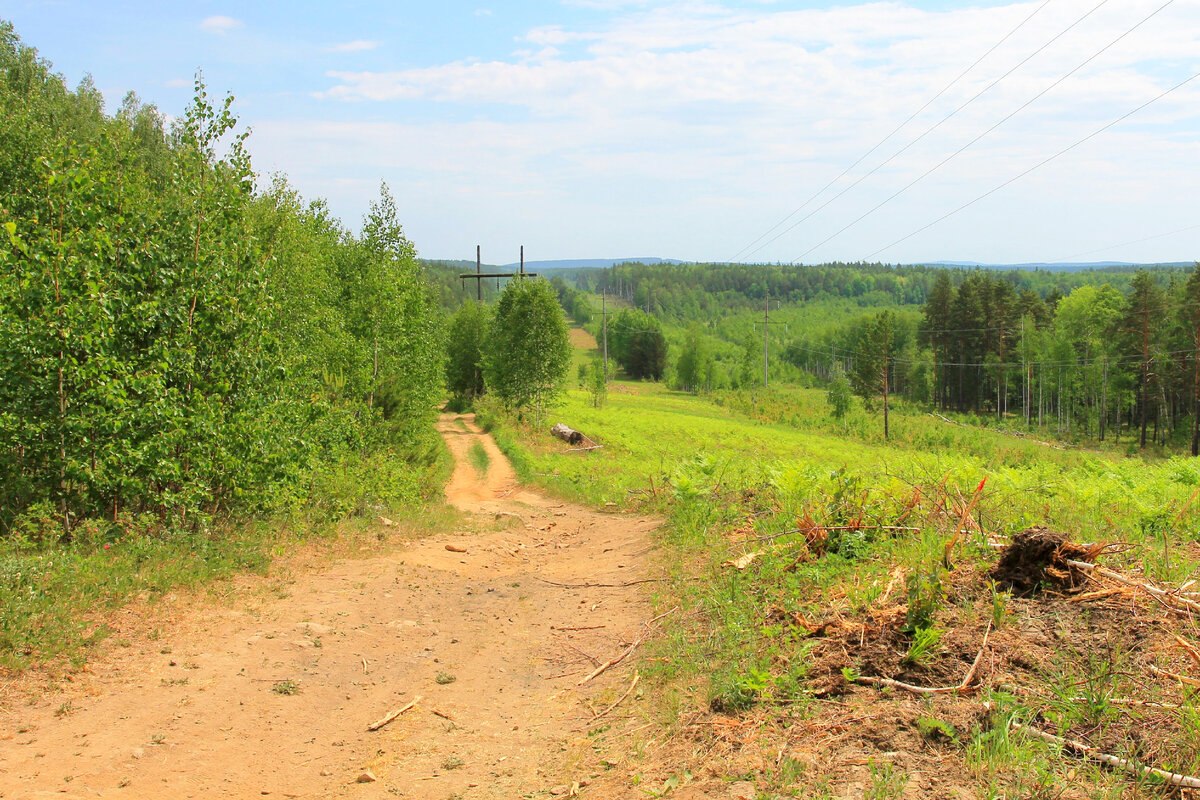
841 528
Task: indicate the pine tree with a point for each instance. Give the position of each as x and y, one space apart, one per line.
1143 324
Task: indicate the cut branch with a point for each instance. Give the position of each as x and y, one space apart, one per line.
1173 778
391 715
1169 598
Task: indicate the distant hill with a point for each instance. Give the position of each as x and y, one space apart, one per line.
586 263
1060 266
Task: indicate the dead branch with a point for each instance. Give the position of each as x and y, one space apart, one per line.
612 662
619 700
1181 678
908 687
391 715
975 665
1173 778
1189 647
600 585
579 628
1168 598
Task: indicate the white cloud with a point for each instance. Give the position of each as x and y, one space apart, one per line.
220 25
178 83
706 124
483 12
356 46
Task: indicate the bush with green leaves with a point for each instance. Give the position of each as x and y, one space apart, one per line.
464 350
528 350
173 343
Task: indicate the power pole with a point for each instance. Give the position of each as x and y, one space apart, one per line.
478 275
766 323
604 323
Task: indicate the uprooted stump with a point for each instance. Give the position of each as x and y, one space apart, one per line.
568 435
1039 557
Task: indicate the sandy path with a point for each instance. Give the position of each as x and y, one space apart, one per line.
199 713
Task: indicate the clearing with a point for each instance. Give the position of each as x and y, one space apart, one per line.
493 628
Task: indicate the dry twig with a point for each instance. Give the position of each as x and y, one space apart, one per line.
612 662
1168 598
619 700
600 585
1172 675
391 715
1173 778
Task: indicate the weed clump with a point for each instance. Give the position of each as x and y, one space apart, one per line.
1038 557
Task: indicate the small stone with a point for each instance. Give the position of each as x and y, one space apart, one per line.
325 773
562 788
387 523
138 752
366 777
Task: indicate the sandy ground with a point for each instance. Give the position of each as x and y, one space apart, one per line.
275 700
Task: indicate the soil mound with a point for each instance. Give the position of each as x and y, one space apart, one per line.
1038 557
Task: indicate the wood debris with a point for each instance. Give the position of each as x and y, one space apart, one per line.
391 715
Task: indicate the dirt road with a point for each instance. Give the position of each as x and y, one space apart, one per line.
276 701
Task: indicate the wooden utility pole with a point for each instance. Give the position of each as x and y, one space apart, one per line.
478 275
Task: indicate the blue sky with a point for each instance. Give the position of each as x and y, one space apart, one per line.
616 128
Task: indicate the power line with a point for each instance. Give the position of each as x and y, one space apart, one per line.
1042 163
1018 110
1125 244
939 123
896 130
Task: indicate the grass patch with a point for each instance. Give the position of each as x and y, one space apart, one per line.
479 458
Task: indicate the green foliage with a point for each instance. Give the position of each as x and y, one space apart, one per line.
694 371
594 380
926 594
173 344
887 782
839 395
638 344
464 346
739 690
528 350
933 728
924 644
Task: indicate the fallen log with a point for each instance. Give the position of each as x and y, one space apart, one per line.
567 434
